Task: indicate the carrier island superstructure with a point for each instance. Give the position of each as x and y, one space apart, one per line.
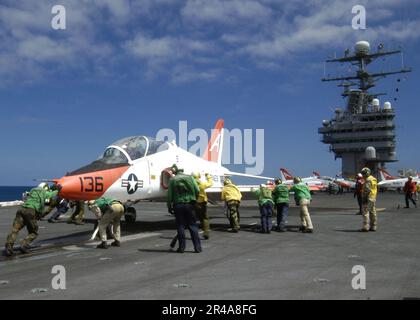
363 133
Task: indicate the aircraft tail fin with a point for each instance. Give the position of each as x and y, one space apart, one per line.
381 176
215 146
316 174
286 174
385 175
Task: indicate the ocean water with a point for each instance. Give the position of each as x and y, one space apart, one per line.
12 193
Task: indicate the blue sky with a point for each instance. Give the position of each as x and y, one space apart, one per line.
133 67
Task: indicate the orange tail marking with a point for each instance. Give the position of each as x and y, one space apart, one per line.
286 174
214 148
387 175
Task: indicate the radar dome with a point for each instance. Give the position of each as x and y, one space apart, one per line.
325 123
375 105
387 105
370 153
362 48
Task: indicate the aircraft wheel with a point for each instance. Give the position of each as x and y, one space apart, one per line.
130 215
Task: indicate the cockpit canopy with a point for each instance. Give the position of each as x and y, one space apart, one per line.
123 152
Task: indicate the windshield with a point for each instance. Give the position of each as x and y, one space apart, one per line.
135 147
112 158
156 146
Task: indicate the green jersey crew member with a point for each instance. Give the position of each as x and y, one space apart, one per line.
28 215
182 195
265 203
281 200
109 211
303 199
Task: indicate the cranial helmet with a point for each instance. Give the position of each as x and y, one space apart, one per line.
44 186
366 172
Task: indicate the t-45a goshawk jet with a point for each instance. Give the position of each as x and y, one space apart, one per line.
138 168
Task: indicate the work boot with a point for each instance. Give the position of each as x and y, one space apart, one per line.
206 237
8 249
70 221
373 229
79 223
302 228
179 250
51 220
198 250
24 249
364 230
307 230
116 243
102 245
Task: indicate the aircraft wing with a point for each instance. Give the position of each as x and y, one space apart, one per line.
238 174
247 194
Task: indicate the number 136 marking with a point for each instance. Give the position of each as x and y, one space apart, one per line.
90 184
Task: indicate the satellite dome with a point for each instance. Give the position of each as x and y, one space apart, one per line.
370 153
325 123
362 48
387 105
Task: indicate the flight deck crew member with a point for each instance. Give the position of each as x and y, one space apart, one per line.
369 192
417 191
232 196
27 216
265 203
182 195
61 207
109 212
281 201
358 192
410 189
201 205
303 199
79 212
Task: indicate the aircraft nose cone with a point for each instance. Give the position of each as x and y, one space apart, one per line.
71 190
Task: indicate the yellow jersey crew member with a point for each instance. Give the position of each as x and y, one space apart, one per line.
369 192
109 211
303 199
201 205
232 196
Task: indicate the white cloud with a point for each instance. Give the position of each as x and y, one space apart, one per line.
185 40
182 74
165 49
224 11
